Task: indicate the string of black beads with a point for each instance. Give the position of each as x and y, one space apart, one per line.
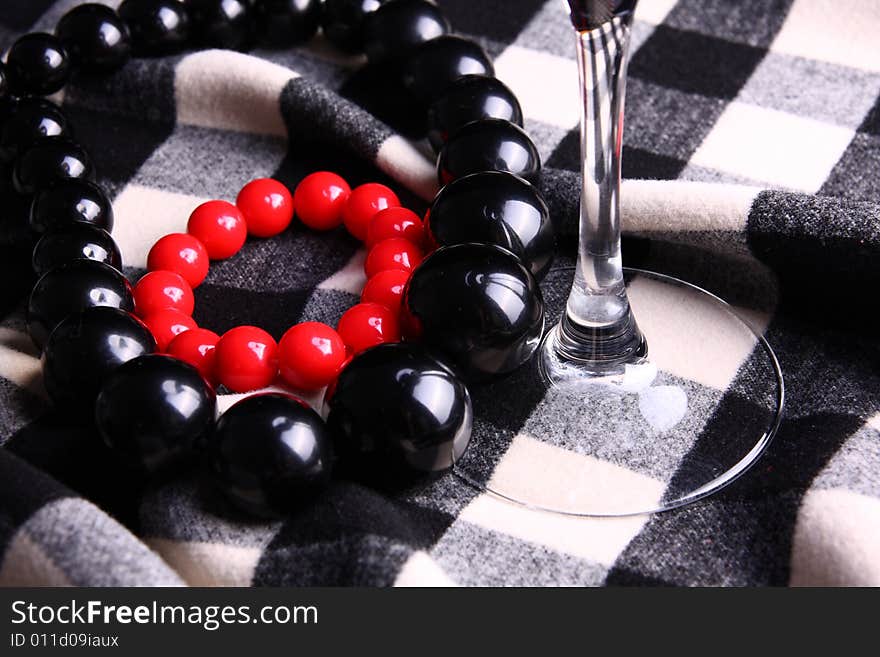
79 311
452 75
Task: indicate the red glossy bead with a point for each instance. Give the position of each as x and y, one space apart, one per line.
167 324
320 198
181 253
386 289
364 202
196 347
220 226
396 253
161 290
395 222
246 359
267 207
310 355
366 325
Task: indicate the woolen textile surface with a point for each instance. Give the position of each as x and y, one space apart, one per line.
750 160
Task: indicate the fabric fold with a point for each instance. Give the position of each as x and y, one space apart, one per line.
706 87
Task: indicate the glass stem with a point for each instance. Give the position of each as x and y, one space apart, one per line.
598 325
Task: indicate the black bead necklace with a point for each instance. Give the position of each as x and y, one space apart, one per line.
489 224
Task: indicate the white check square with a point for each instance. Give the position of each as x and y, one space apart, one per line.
836 540
545 84
837 31
773 147
720 347
550 475
143 215
654 12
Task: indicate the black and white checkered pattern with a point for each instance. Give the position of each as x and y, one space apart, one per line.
751 152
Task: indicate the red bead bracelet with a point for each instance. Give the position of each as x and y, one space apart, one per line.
310 355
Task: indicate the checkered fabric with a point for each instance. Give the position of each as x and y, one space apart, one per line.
750 155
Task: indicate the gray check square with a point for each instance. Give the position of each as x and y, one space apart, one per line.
546 137
855 466
671 415
297 259
752 22
210 163
854 176
18 408
667 121
549 31
508 561
811 88
327 306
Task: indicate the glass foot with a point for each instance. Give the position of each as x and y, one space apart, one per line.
649 435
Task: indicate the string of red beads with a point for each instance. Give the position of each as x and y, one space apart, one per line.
310 355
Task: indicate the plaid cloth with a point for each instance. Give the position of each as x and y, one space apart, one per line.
751 155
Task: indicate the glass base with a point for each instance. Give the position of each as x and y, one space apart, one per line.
653 434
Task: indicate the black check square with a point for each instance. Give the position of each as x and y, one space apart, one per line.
639 163
668 122
487 19
636 162
871 124
752 22
855 174
566 155
695 63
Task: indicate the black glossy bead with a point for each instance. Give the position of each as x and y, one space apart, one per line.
29 120
7 106
396 28
71 201
72 288
4 83
489 145
38 64
343 22
287 22
270 452
477 306
396 407
157 27
155 412
76 241
495 208
49 161
95 36
84 349
435 65
470 98
221 23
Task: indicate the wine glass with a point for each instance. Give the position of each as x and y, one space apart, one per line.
631 419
